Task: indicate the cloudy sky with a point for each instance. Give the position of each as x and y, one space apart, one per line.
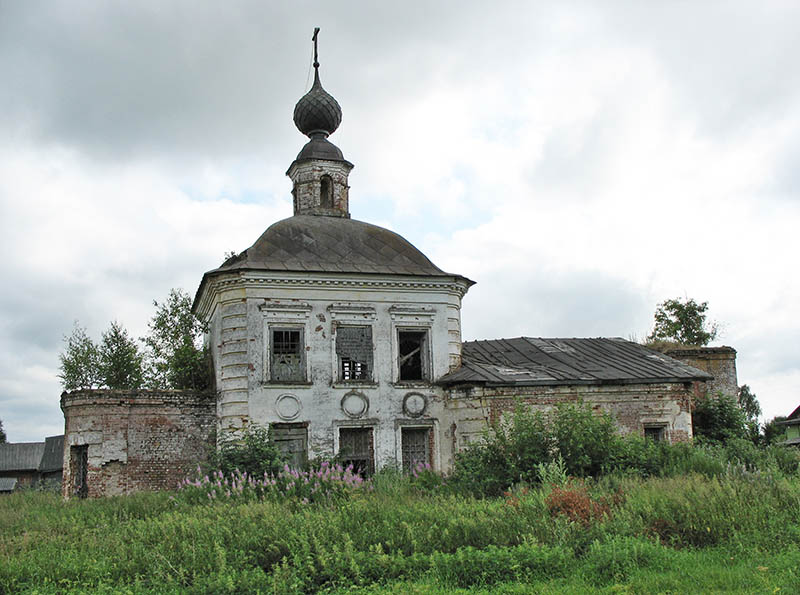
582 161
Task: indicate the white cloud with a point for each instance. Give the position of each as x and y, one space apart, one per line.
582 162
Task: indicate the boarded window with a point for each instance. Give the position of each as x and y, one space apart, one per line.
655 433
416 447
356 449
79 470
354 350
292 440
412 358
326 192
288 363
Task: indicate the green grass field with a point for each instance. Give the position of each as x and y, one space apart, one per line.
689 534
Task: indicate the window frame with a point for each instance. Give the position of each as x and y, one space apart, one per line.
413 318
284 316
301 346
338 361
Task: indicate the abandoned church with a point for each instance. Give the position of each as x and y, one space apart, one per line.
343 338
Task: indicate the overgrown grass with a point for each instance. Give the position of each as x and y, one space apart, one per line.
738 531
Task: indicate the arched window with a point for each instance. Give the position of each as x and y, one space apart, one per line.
326 192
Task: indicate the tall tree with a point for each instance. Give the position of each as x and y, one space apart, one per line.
2 433
683 321
79 365
174 357
773 432
120 360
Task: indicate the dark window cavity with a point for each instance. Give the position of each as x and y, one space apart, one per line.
412 357
354 350
326 192
356 448
416 447
288 364
79 470
655 433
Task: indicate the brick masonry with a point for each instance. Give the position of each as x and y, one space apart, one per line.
136 440
720 362
633 406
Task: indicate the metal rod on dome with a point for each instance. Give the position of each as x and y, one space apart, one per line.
314 39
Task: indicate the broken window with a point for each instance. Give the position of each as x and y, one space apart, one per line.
79 470
416 447
292 440
356 449
326 192
354 350
288 363
412 355
655 433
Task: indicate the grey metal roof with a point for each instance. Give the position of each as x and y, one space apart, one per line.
314 243
53 457
8 484
526 361
21 456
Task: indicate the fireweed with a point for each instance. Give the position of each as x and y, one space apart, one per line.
328 483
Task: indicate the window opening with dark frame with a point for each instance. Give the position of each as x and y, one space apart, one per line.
416 447
654 433
79 463
356 448
288 364
412 359
354 350
326 192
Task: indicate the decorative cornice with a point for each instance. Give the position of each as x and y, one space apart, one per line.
450 285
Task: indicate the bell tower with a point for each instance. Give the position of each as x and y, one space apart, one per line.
319 173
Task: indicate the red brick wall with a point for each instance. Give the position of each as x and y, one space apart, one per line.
137 440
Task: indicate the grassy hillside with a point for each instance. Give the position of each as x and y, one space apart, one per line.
738 532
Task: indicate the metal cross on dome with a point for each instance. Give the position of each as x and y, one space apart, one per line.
314 39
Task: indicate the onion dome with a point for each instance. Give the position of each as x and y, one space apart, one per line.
317 112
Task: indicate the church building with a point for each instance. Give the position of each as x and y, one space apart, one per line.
345 340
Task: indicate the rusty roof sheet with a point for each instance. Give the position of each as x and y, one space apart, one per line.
21 456
527 361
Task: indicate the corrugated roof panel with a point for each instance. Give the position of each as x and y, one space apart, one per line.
538 361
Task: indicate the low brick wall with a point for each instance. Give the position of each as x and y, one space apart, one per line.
633 406
134 440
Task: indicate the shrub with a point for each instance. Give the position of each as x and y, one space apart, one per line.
250 450
718 418
587 442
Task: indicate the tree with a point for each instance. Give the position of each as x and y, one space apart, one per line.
174 357
773 433
683 321
749 403
718 418
80 362
2 433
120 360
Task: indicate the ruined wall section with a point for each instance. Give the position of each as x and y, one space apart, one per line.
720 362
136 440
634 407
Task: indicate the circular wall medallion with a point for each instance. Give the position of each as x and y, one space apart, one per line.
414 404
287 406
355 404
